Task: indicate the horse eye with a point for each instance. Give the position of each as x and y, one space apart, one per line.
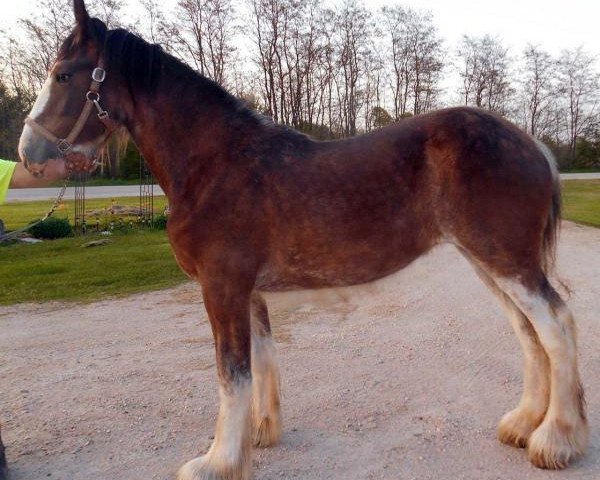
63 77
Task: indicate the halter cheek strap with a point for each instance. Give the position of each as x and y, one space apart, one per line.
92 97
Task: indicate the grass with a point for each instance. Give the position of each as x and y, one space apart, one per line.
64 270
581 201
19 214
141 260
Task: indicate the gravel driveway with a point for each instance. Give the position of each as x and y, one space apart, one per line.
406 382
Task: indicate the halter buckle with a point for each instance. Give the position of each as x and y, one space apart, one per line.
63 146
98 75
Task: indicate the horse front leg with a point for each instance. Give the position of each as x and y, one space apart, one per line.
229 457
266 418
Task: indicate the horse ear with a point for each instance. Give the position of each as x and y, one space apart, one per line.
82 18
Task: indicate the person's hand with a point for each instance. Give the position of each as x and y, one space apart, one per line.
41 176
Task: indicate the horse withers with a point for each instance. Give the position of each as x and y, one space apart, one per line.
258 207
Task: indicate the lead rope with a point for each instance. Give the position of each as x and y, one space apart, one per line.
15 233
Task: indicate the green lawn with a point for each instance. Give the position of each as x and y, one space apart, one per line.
581 201
137 261
141 260
64 270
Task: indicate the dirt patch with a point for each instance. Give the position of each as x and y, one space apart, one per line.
404 383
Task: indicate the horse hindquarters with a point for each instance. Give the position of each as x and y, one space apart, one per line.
504 209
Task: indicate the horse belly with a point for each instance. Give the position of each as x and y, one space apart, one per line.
315 265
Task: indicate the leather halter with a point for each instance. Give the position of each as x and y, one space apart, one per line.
65 145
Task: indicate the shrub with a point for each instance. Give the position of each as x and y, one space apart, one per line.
160 222
52 228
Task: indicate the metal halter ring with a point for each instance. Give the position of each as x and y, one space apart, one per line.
90 96
98 75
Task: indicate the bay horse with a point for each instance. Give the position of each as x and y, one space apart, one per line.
258 207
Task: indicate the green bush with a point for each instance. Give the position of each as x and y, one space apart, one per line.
52 228
160 222
130 163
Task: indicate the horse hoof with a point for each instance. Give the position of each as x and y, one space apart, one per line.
556 443
516 427
205 468
267 432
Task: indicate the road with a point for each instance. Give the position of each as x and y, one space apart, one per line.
29 194
580 176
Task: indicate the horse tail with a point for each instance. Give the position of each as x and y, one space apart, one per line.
552 228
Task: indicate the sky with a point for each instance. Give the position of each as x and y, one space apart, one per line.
552 24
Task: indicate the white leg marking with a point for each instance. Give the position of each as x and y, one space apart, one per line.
563 434
229 455
516 426
265 405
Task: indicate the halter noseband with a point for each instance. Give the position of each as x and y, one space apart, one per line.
65 145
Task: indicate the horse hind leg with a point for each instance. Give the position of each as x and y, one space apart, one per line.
563 434
516 426
266 417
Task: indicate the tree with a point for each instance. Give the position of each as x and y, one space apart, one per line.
380 117
415 58
353 31
155 27
578 85
204 31
485 73
13 109
269 20
109 11
538 90
45 33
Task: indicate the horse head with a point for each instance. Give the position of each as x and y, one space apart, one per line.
70 118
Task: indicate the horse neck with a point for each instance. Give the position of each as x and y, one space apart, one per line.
186 131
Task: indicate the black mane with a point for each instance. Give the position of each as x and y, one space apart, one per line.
142 65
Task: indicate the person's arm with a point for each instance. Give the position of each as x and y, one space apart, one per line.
15 175
54 170
6 172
